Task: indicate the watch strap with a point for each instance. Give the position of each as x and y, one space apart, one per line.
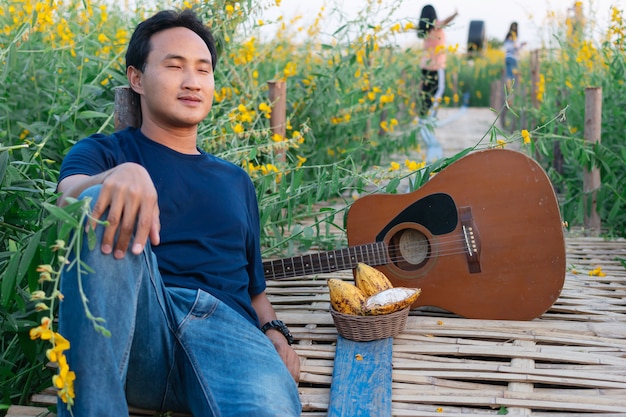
281 327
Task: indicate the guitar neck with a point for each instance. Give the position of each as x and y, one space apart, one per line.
324 262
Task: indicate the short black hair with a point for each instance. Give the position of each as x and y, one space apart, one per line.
139 46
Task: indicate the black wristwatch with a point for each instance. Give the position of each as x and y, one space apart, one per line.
281 327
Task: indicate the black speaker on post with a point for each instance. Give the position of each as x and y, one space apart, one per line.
476 36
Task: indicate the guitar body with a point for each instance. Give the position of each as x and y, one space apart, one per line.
482 239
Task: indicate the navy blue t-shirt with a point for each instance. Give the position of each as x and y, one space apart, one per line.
208 212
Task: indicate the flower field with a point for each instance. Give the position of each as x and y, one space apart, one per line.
351 104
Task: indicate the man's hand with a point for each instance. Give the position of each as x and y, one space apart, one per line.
131 198
129 195
266 313
286 352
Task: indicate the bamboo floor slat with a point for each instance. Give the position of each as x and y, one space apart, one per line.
570 361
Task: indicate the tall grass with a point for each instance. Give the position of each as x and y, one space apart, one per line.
582 55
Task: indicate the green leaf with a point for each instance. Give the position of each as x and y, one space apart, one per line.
28 254
61 214
4 162
392 187
92 240
91 114
9 280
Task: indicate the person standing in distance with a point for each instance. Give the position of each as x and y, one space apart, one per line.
433 76
511 55
177 274
433 61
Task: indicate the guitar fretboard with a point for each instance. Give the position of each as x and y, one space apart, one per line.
324 262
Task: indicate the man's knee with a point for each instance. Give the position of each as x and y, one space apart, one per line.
92 193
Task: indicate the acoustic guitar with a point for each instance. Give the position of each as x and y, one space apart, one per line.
483 239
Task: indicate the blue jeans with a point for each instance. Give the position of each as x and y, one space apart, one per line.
510 65
171 349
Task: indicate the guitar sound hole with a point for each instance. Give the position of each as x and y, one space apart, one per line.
409 249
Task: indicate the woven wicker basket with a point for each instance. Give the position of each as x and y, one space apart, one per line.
368 328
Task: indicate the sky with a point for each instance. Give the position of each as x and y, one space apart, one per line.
497 15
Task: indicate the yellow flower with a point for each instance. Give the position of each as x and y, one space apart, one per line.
387 98
43 331
64 381
597 272
59 244
238 128
59 346
266 109
48 267
297 136
38 295
414 166
41 307
290 69
44 277
269 168
394 166
500 143
526 136
541 87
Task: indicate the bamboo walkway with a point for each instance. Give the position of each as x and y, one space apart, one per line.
569 362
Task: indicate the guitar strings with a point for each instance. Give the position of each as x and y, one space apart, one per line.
445 246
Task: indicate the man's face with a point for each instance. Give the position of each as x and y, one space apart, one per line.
177 82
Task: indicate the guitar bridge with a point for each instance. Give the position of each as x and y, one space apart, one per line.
471 239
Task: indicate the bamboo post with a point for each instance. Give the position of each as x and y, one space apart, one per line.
496 93
497 97
383 117
591 175
534 77
127 109
455 84
278 120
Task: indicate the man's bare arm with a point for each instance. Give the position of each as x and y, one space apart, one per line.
447 20
131 200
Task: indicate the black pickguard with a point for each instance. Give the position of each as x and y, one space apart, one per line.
436 212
